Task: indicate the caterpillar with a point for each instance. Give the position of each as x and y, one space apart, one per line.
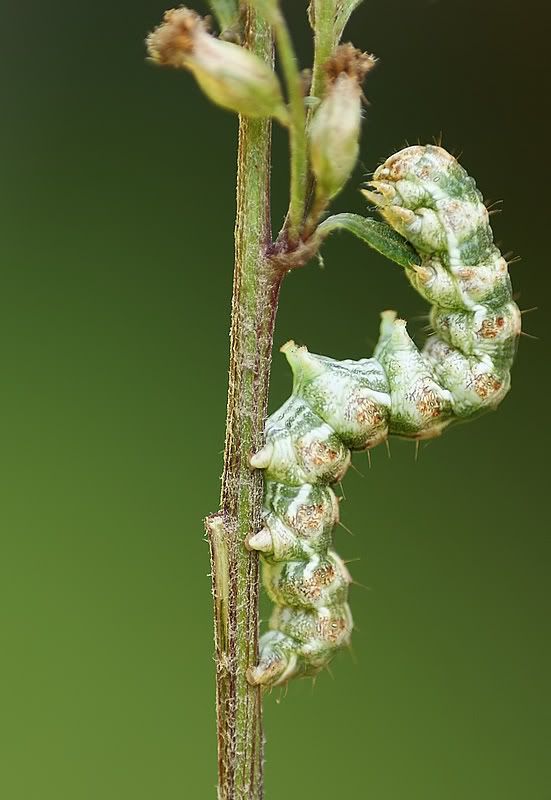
425 195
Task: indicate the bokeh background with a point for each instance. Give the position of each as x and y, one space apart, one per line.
117 204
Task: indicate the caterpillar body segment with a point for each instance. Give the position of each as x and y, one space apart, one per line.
339 406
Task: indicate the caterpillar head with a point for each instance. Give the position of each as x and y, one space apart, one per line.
426 195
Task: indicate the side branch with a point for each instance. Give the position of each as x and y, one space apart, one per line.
297 124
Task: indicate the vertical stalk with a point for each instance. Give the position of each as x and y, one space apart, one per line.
324 42
234 569
297 123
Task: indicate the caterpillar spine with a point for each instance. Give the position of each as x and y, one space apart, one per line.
339 406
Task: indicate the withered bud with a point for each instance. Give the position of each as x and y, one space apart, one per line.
335 128
348 59
230 76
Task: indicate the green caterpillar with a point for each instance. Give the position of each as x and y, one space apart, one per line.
339 406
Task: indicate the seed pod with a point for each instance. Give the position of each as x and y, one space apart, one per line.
230 76
335 128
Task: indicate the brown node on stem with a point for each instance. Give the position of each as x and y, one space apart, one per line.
174 38
349 60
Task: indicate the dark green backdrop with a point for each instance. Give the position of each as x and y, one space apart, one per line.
117 206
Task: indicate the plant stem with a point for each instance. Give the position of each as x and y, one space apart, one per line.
234 569
297 123
226 11
324 42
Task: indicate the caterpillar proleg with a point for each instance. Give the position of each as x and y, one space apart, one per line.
339 406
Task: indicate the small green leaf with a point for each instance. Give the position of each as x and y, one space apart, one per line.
378 235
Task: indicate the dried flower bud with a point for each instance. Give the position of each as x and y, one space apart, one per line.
335 128
231 76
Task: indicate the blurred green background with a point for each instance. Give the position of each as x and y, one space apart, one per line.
117 205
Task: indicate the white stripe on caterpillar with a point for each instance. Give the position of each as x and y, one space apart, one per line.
339 406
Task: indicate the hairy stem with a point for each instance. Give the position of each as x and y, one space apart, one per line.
234 569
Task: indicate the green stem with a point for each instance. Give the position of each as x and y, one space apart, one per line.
324 42
235 570
297 123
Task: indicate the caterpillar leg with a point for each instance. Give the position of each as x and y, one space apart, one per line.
279 661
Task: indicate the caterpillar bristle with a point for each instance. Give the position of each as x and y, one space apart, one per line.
513 260
360 586
344 527
353 655
340 406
